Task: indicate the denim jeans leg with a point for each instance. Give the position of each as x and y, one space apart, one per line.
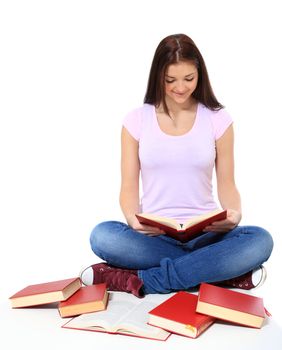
167 265
120 245
221 257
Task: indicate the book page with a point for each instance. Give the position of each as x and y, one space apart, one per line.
162 220
199 218
137 322
124 314
118 307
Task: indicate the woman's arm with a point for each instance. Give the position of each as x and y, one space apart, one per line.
228 193
129 191
130 169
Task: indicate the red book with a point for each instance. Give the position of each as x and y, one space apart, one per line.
186 231
86 299
44 293
230 305
178 315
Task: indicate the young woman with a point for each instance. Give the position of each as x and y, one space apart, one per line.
174 140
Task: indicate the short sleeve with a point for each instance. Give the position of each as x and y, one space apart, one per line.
221 120
132 123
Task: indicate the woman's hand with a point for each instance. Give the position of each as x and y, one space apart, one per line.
232 220
145 229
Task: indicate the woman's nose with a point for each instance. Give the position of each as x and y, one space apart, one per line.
180 87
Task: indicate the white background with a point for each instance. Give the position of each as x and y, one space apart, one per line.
71 70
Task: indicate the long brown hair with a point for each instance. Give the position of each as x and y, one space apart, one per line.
172 49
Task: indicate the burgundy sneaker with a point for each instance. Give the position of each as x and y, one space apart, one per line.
117 279
250 280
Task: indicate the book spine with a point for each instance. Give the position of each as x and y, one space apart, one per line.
204 326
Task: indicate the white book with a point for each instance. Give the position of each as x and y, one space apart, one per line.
125 314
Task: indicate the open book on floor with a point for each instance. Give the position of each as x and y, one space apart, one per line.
125 314
186 231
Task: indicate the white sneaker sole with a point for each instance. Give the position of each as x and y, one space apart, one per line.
262 277
86 275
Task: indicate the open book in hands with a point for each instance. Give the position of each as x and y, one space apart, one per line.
186 231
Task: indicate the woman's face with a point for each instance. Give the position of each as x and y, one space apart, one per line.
181 81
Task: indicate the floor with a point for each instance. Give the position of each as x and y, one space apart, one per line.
40 328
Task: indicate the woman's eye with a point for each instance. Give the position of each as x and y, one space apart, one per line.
172 81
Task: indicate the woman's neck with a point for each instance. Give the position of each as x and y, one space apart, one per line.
175 109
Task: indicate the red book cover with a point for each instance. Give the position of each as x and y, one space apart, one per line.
179 231
231 305
47 292
86 299
178 315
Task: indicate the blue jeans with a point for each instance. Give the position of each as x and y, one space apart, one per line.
165 265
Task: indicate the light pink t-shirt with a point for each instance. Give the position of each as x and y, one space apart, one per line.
176 171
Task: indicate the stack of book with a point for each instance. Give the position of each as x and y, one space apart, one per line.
190 315
154 317
72 298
